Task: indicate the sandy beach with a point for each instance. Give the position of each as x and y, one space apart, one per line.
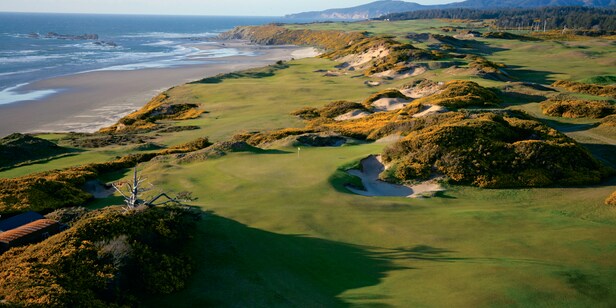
88 101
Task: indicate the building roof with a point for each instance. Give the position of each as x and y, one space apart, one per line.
19 232
19 220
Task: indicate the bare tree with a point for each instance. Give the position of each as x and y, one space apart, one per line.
131 191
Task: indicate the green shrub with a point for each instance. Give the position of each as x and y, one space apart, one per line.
462 94
18 148
108 258
578 108
611 200
609 121
592 89
494 151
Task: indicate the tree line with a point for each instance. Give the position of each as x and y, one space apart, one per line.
547 18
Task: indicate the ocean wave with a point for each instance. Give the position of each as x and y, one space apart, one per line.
148 65
20 72
160 43
17 52
10 95
93 46
170 35
219 53
29 59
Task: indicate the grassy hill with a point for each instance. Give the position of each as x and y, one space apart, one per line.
18 149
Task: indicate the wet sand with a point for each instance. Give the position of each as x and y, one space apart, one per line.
89 101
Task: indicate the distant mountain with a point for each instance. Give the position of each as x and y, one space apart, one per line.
379 8
366 11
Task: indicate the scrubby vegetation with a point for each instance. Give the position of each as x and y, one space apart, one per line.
593 89
100 140
277 35
63 188
611 200
263 72
601 80
493 151
108 258
609 121
160 107
259 138
462 94
399 57
392 54
19 148
330 110
577 108
506 36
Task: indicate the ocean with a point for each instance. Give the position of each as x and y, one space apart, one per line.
40 46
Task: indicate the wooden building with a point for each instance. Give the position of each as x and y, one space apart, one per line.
19 220
29 233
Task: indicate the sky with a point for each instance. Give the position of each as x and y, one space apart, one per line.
185 7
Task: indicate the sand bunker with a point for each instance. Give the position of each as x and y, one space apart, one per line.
357 61
421 91
388 104
431 109
372 167
352 115
98 189
308 52
393 74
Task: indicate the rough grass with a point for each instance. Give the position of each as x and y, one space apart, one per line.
611 200
578 108
593 89
278 35
462 94
19 149
609 121
331 110
160 107
494 151
50 190
600 80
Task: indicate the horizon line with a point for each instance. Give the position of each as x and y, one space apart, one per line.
139 14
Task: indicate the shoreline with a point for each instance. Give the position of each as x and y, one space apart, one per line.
88 101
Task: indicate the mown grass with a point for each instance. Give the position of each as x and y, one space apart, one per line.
475 247
284 232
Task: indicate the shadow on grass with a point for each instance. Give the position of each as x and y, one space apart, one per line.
105 202
7 165
517 98
240 266
606 153
479 48
564 127
258 73
520 73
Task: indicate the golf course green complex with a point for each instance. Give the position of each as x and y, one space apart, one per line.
281 224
